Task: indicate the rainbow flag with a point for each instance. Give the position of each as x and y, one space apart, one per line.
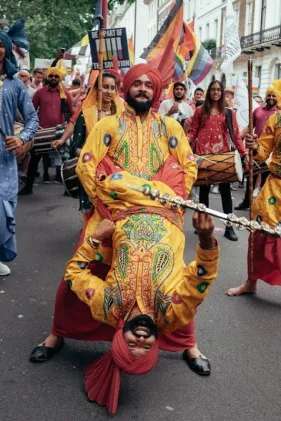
188 57
131 50
200 61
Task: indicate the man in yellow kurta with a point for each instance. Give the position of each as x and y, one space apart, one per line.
267 209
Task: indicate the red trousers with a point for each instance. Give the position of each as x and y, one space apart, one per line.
266 259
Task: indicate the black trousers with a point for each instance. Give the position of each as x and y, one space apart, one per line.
33 168
225 193
246 200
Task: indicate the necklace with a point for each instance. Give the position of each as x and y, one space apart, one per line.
2 77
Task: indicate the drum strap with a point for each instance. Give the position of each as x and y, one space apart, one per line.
229 123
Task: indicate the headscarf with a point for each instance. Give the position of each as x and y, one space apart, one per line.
104 375
276 90
143 69
90 104
15 35
57 71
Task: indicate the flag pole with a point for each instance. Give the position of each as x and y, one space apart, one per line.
251 161
100 55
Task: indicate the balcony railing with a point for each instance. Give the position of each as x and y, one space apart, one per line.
253 42
263 37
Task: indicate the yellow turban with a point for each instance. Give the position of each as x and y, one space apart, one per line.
276 90
57 71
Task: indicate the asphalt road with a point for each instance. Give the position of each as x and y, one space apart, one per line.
241 336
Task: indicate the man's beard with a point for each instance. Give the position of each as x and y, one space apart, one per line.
141 320
178 98
271 103
53 83
139 107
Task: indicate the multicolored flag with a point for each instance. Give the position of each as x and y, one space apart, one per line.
188 57
231 39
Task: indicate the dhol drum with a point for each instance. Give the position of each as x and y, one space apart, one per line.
44 137
219 168
69 177
21 151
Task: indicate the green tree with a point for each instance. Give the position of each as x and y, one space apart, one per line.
50 24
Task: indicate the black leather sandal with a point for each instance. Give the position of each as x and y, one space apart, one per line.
200 366
42 353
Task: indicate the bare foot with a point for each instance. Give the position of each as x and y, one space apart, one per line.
194 352
249 287
52 341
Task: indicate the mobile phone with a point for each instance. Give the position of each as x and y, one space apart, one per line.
62 50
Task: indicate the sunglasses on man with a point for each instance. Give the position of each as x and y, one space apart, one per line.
53 77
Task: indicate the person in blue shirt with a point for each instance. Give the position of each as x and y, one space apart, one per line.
13 95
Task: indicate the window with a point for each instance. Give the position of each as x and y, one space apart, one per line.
248 26
207 31
263 14
216 27
277 71
258 73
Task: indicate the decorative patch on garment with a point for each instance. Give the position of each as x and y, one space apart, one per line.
272 200
112 296
69 282
107 139
173 142
268 131
162 260
145 227
191 157
123 260
116 176
202 287
114 195
173 165
201 271
99 257
162 302
176 299
87 157
259 219
156 160
82 265
90 292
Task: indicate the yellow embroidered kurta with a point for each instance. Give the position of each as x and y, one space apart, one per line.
147 269
139 148
147 264
267 206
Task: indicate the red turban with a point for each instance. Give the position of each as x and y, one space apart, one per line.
144 69
104 375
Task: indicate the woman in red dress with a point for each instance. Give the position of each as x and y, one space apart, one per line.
210 135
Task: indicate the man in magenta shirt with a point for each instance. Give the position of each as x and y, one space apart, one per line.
52 102
260 117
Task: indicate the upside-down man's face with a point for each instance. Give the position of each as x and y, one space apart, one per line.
140 333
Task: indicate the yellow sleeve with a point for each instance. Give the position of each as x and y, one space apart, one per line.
179 147
93 152
266 140
198 276
88 287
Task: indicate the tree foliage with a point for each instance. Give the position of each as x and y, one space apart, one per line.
53 24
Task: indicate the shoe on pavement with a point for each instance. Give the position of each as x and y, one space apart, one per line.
200 366
4 270
241 206
256 192
241 184
24 191
232 187
215 190
46 179
42 353
230 234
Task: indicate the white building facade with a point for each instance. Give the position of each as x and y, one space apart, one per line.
259 30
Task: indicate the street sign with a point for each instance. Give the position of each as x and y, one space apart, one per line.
115 44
